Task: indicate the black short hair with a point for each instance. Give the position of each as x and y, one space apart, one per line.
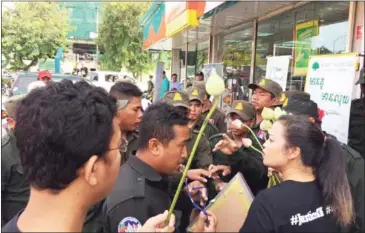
59 128
200 74
174 75
125 90
158 121
163 72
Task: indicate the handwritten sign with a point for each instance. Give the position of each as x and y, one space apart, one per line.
277 69
330 81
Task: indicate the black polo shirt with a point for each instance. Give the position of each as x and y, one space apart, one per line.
139 193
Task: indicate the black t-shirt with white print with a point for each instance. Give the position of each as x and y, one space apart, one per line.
290 207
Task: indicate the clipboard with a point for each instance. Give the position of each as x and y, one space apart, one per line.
230 206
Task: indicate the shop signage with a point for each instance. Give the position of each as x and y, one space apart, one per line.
277 69
182 15
330 81
303 34
359 32
154 28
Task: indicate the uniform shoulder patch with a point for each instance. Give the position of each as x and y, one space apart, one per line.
129 224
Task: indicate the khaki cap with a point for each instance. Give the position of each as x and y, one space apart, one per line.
196 93
268 85
301 95
11 103
177 99
243 109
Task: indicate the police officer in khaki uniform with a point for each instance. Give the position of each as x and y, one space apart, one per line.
196 101
14 188
218 118
266 93
238 157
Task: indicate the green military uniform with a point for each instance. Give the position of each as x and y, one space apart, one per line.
275 89
203 156
14 188
210 129
354 161
196 93
245 160
218 118
132 138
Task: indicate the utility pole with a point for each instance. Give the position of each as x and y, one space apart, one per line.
97 36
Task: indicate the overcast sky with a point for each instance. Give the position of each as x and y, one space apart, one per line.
7 5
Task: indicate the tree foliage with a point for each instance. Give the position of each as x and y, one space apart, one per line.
120 37
33 31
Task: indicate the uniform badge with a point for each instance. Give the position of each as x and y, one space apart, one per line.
195 93
177 96
283 97
239 106
285 102
129 224
261 135
262 82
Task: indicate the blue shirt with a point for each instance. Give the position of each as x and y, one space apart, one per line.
165 86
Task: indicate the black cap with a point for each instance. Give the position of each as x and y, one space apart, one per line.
297 106
361 77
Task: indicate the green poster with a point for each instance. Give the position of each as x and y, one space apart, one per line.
303 50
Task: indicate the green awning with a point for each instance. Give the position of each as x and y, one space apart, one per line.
218 9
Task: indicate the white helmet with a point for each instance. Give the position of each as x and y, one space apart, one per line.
35 84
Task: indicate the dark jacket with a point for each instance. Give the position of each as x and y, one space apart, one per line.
14 188
246 161
355 175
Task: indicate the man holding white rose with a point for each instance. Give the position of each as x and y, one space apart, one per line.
235 148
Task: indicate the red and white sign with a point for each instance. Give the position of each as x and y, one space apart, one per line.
359 32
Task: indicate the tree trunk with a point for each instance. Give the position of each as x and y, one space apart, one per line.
33 63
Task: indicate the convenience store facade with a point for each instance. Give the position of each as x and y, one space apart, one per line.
242 35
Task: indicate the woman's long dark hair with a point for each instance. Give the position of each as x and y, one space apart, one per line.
326 158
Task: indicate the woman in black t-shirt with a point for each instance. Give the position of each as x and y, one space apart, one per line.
315 194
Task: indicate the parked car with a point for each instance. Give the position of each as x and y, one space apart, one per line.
20 85
107 79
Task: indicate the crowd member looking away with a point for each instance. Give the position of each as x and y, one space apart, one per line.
165 85
75 123
129 113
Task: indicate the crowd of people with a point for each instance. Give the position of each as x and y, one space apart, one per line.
80 159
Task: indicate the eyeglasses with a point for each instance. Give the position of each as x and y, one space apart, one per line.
123 146
202 209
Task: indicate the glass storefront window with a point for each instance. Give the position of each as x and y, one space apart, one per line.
313 29
237 49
